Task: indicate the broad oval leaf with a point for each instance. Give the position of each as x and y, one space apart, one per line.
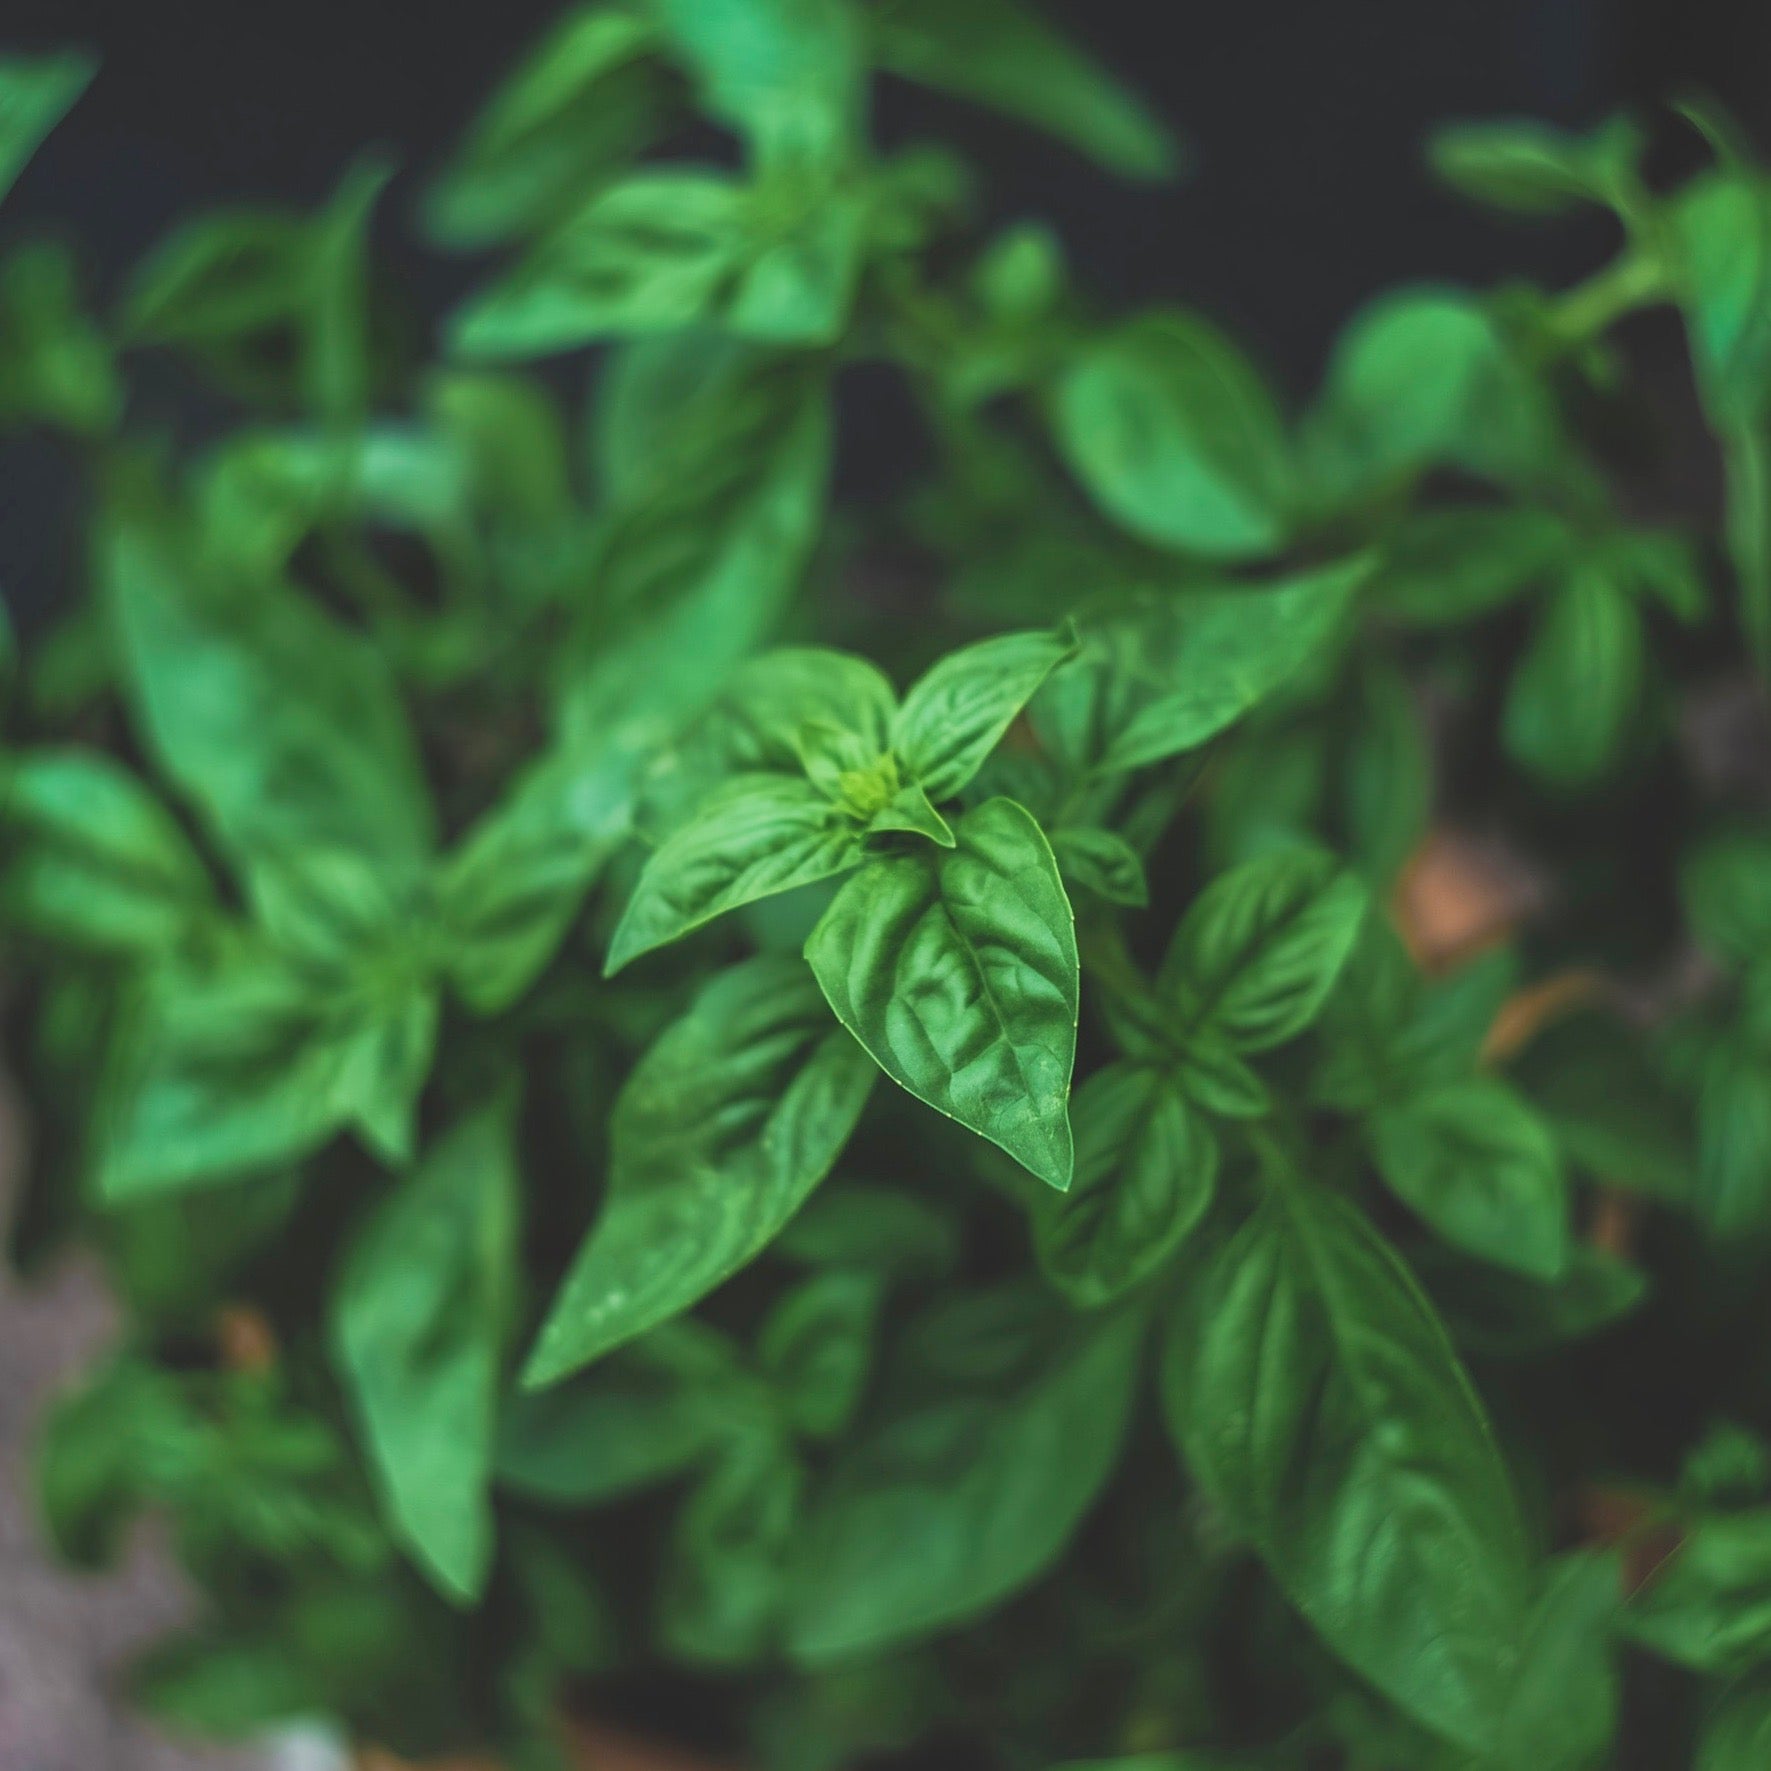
1317 1401
1173 434
418 1325
956 968
756 836
1260 949
1000 1424
1146 1171
1483 1169
956 715
722 1131
1164 673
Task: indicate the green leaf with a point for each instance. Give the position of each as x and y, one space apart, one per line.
1726 888
910 809
92 859
1482 1169
243 1067
418 1322
1721 244
1503 1315
956 969
1737 1732
1562 1711
1176 438
756 836
1533 169
959 1494
786 74
1161 674
1709 1606
816 1348
1733 1191
1445 567
1426 378
55 364
1101 862
282 727
586 99
1569 709
997 53
1261 947
668 248
720 1134
1146 1172
956 714
1318 1403
36 92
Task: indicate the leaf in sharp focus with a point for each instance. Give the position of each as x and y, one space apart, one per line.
1176 438
1163 674
91 858
1146 1172
722 1131
36 92
754 837
1737 1731
283 727
1569 709
998 53
956 968
998 1429
956 714
1317 1401
418 1326
1708 1607
586 99
1259 950
1482 1168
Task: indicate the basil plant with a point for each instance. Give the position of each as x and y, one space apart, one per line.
861 1120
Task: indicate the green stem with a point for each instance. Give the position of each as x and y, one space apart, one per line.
1634 280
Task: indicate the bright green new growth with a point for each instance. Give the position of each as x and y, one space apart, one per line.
465 864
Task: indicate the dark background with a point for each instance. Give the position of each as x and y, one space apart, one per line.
1304 121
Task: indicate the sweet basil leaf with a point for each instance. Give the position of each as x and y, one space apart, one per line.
92 859
1533 169
756 836
950 1503
721 1133
1101 862
1174 436
1569 709
1733 1191
1260 949
1707 1606
418 1326
998 53
55 364
1146 1172
957 713
1504 1315
1317 1401
1721 234
956 969
1445 567
1482 1169
36 92
816 1348
1161 674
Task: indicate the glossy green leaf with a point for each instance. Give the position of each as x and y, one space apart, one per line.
1176 439
999 1429
956 969
1146 1172
418 1324
955 715
721 1133
758 835
1318 1403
